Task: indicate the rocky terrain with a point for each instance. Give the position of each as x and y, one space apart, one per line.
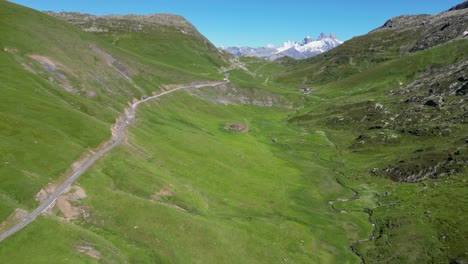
131 23
431 108
431 30
435 105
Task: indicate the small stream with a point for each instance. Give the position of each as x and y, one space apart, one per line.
354 197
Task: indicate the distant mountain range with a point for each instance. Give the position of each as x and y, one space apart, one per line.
298 50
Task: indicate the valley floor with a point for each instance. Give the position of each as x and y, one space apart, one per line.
184 188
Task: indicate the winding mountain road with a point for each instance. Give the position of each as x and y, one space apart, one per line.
116 139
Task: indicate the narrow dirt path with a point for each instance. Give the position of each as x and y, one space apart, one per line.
118 133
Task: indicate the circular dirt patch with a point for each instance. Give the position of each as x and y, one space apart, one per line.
237 127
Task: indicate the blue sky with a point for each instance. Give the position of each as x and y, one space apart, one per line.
259 22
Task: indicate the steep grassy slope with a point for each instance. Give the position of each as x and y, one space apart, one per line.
44 127
62 88
161 40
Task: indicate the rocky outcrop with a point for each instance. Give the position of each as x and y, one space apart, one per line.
430 30
432 109
442 93
460 6
425 166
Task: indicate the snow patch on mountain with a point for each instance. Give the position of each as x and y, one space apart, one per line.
304 49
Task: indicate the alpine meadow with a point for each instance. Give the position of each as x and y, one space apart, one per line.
133 139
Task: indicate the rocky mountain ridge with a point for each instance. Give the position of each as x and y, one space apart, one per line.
132 23
460 6
431 30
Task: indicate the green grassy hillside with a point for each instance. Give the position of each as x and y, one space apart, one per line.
388 132
397 38
62 88
369 165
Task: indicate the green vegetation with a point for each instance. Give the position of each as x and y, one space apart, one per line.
68 241
382 133
278 187
61 91
242 198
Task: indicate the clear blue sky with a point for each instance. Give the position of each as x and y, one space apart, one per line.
260 22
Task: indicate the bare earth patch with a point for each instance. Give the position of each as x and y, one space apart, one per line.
53 67
88 250
162 193
166 193
237 127
50 64
46 192
67 203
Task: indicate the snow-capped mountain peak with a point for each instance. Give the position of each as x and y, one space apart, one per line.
322 36
307 40
307 48
289 44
